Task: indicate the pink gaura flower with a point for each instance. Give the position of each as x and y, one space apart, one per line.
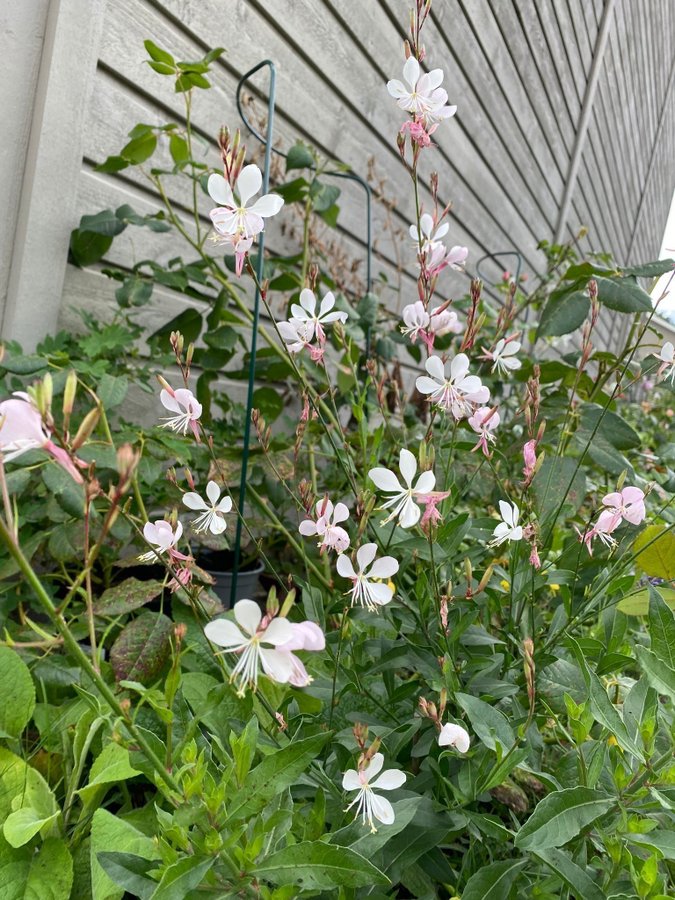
444 321
439 258
306 636
233 216
503 356
456 392
22 429
627 504
530 459
186 407
484 421
163 538
431 514
327 528
416 321
418 133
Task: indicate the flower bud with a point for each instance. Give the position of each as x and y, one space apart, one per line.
69 392
89 422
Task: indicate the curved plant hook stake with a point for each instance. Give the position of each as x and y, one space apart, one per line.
495 256
256 309
350 176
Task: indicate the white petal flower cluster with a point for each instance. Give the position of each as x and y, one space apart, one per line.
306 323
420 93
327 526
402 496
450 386
369 588
368 804
212 513
508 529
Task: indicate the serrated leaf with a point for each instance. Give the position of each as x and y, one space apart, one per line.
314 865
130 594
489 723
561 816
659 674
18 694
142 649
493 882
573 875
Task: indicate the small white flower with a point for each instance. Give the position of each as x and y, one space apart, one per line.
503 356
667 357
306 312
456 393
234 217
276 664
427 235
444 321
454 736
421 95
212 514
296 334
484 421
508 529
161 536
327 526
401 502
186 407
416 320
367 590
370 806
439 257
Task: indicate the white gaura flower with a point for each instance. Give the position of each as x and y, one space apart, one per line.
454 736
306 312
484 421
296 334
503 356
508 529
186 407
457 392
427 235
401 500
233 216
327 526
416 320
444 321
370 806
368 590
306 636
161 536
667 357
421 94
212 514
439 257
250 642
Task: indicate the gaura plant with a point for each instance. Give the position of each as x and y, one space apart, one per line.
461 679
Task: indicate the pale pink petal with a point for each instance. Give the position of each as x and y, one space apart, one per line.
345 567
279 631
341 513
307 528
632 495
169 402
613 499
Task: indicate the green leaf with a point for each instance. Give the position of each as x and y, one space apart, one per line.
141 650
661 629
276 772
110 833
128 870
623 294
112 164
24 365
178 148
45 875
87 247
139 149
18 694
658 559
222 338
299 157
112 389
182 877
110 766
637 604
313 865
68 494
660 676
651 269
565 312
130 594
104 222
157 54
493 882
660 840
323 195
22 786
22 825
561 816
188 322
573 875
135 291
489 723
617 431
268 401
558 483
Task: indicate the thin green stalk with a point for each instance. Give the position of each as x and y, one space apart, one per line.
81 657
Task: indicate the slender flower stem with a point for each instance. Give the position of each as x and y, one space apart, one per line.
81 657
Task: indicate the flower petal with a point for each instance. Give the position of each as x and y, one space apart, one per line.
454 736
345 567
351 781
213 492
276 664
365 555
383 568
382 809
434 366
341 513
459 366
248 615
267 205
220 191
408 466
389 780
248 183
411 71
374 767
307 528
408 516
192 500
279 631
425 483
385 480
224 633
